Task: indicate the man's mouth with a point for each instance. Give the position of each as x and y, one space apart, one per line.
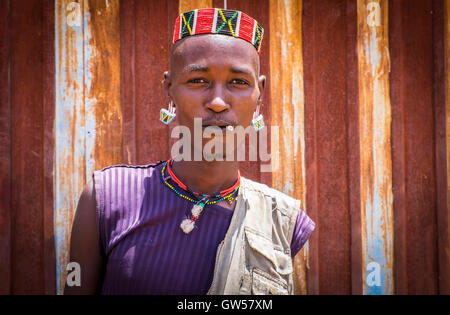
219 124
216 126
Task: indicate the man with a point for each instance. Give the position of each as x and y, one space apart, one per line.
193 226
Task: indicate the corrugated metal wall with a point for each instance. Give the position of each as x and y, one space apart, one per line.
358 89
27 76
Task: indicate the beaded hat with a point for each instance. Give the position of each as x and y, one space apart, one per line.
218 21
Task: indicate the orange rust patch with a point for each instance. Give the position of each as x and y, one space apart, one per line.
287 99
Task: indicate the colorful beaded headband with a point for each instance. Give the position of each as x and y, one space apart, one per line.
219 21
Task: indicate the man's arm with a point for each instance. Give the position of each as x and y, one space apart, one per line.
84 245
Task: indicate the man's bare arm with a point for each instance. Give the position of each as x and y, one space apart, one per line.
84 246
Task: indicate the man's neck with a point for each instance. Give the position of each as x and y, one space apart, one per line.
206 177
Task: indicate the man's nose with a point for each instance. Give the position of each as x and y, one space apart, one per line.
218 101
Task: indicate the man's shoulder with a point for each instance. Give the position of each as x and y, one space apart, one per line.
128 167
123 174
282 199
263 188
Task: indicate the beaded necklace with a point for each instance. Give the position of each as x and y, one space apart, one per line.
199 200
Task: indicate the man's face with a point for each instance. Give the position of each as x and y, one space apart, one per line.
216 78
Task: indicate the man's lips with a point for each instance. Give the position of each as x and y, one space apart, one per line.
221 127
220 124
224 126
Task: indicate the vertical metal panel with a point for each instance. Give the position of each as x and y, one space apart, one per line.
440 119
444 209
27 92
128 84
70 171
375 151
151 60
5 151
88 112
447 102
326 139
287 100
48 81
144 58
354 158
413 151
187 5
173 10
102 100
26 97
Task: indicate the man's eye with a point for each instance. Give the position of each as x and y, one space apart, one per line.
239 82
197 81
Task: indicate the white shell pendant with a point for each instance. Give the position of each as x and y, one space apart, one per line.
187 225
196 210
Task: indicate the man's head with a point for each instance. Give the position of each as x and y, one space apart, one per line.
214 77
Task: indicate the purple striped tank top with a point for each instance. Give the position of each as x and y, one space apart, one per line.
146 252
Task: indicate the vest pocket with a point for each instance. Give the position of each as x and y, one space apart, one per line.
265 284
281 262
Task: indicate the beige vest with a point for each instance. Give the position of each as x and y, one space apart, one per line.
255 255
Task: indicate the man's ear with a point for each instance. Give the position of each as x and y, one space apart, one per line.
261 85
167 82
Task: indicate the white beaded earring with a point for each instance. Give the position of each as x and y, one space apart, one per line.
258 120
166 116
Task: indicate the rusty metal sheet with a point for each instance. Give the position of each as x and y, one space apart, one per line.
325 66
26 98
375 148
447 98
26 68
354 170
151 59
413 147
287 99
69 172
144 58
441 31
5 151
444 250
102 99
128 90
187 5
48 135
88 110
